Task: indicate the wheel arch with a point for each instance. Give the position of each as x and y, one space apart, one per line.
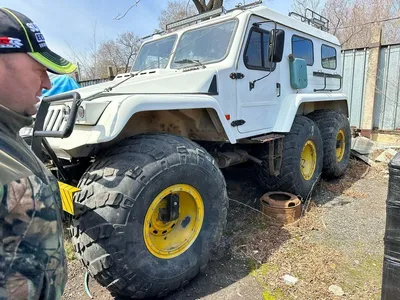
304 104
195 124
197 117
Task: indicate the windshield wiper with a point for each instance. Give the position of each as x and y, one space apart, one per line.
189 61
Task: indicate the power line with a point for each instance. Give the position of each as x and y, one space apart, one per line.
372 22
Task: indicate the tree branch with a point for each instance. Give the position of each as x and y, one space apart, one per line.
119 17
200 5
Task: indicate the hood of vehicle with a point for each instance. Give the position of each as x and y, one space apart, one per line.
196 80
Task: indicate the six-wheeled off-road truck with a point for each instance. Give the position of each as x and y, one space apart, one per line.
144 152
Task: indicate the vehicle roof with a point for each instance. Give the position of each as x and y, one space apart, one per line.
265 12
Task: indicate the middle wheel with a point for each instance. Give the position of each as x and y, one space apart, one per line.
302 160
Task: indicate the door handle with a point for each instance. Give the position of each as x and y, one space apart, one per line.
278 89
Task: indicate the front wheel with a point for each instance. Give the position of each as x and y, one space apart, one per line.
152 209
302 159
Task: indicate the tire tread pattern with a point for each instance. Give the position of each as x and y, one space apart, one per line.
329 123
143 152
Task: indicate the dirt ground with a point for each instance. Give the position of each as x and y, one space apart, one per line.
338 242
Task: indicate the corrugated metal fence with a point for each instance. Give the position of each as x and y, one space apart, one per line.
355 68
387 93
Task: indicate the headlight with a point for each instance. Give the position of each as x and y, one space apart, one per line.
81 112
90 112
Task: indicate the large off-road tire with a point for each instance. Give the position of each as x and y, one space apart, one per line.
301 160
336 137
118 233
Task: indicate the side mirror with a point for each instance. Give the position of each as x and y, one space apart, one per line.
276 43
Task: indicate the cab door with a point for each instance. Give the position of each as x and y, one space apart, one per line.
258 106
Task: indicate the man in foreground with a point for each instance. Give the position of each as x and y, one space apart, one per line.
32 258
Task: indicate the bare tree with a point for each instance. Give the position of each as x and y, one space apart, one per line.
87 58
357 22
109 55
118 53
300 6
129 45
202 6
176 10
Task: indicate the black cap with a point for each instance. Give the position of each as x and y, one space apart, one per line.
18 34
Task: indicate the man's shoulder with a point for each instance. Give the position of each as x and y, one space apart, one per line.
11 168
16 160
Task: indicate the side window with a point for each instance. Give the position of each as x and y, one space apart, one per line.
328 57
303 48
256 52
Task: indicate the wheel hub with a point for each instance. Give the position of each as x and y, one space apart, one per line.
173 221
308 160
340 145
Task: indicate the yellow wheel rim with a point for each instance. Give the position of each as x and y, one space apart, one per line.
169 239
340 145
308 160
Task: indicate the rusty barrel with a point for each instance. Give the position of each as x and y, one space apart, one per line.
284 207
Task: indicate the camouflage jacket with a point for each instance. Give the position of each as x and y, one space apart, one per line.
32 257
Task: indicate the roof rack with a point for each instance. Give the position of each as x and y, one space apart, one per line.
312 18
246 6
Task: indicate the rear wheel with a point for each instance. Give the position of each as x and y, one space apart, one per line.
336 137
301 160
148 215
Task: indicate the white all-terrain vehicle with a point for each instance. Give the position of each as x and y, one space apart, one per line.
145 150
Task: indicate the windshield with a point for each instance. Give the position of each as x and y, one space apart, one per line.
154 55
204 45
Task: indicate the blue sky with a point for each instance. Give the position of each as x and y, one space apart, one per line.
69 23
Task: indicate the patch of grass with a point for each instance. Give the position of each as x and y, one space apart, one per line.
264 270
366 275
275 295
69 250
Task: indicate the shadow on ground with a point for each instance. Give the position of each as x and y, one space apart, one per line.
328 190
